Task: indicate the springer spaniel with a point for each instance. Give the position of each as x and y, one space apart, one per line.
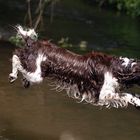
95 78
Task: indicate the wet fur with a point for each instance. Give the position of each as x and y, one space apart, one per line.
96 78
79 74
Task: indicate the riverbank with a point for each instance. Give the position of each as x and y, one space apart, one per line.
101 29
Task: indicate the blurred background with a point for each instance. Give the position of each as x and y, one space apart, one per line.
107 25
40 113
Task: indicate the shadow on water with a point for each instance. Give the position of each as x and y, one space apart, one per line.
39 113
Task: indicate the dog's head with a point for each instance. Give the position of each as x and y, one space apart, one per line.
135 70
127 71
26 33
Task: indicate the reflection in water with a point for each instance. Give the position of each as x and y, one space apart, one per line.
67 136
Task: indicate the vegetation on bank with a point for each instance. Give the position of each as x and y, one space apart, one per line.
35 17
131 7
32 12
37 12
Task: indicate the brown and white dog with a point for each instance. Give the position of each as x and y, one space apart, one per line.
96 78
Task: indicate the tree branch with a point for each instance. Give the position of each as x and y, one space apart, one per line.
29 13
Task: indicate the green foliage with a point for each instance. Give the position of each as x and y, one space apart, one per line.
83 45
64 43
16 40
132 7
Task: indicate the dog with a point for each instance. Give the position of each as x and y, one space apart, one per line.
95 78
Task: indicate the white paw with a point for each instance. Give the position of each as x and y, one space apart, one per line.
12 77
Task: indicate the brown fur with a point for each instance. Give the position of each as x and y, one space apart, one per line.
81 74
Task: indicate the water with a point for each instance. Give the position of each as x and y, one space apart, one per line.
39 113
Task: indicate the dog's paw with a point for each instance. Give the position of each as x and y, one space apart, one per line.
137 95
25 83
138 98
11 78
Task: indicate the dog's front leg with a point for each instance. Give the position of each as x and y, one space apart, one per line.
132 99
120 100
15 66
25 83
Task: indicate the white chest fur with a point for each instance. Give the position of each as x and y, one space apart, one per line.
109 87
35 77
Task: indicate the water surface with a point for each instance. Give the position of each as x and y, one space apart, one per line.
39 113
